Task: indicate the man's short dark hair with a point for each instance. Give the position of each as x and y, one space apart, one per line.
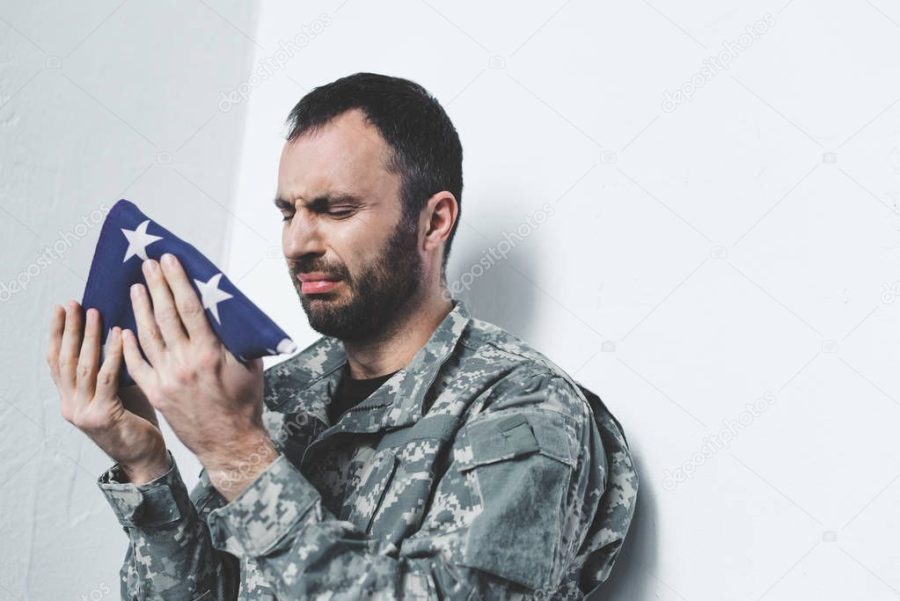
427 153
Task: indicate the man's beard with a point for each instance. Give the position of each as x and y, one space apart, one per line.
378 297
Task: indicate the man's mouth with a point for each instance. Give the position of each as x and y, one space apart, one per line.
317 283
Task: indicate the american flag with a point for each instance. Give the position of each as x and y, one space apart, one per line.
127 238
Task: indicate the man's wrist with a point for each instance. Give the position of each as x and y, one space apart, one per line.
142 473
233 469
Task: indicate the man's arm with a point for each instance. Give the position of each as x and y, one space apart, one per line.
506 520
170 554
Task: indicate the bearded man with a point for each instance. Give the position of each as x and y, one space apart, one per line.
412 451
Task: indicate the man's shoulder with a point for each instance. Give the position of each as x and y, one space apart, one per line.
531 379
318 359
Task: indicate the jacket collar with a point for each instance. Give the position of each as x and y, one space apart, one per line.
399 400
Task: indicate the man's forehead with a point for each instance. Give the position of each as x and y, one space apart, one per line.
319 181
310 171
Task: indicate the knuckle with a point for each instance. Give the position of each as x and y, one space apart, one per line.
104 378
191 308
184 374
209 359
167 313
168 387
148 336
155 336
83 372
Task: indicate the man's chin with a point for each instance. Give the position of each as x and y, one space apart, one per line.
323 315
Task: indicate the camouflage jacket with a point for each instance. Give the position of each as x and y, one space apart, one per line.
480 470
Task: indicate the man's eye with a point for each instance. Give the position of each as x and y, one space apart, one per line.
286 218
339 213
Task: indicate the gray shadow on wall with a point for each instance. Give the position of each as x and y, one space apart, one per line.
502 294
495 289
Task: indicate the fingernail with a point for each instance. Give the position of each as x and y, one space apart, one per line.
169 259
135 290
150 265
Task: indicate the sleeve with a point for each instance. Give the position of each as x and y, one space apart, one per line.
505 521
170 554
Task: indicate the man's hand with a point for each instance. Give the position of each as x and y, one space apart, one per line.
211 400
127 432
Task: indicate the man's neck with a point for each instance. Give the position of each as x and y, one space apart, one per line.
398 344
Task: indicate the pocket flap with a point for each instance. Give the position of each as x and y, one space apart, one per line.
498 439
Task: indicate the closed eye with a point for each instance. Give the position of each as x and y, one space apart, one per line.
340 214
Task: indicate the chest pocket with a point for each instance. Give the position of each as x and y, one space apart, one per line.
374 481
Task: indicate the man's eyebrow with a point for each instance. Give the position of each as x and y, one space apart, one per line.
321 201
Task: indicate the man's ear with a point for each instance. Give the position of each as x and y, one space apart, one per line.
442 211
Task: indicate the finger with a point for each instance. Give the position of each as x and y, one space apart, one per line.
89 358
189 307
141 371
147 331
57 324
108 376
70 347
164 310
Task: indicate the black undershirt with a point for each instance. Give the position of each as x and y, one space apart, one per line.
351 391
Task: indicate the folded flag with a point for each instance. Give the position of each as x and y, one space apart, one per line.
127 238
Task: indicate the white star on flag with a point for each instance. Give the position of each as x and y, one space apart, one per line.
211 295
138 240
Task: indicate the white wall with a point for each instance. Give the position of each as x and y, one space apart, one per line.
98 101
696 255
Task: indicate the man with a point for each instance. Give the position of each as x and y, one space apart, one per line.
412 451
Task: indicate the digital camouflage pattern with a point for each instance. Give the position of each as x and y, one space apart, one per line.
480 470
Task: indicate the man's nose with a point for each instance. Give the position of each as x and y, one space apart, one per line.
302 237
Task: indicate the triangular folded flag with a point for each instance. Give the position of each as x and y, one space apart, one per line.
127 238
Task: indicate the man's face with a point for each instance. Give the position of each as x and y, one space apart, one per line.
343 222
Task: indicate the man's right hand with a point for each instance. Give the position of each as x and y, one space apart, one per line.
122 423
